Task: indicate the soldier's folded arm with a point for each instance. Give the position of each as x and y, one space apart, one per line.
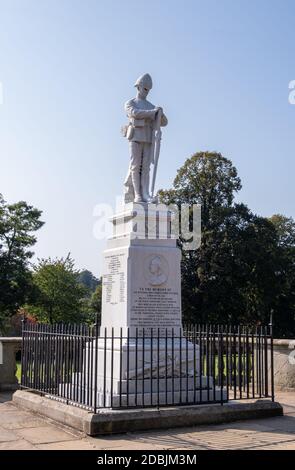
133 112
164 120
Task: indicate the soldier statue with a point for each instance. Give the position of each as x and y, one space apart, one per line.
145 120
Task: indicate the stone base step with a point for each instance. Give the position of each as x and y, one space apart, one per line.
139 385
154 398
117 421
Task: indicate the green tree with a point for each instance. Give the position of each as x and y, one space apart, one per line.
95 302
285 228
88 280
284 305
91 301
231 277
58 294
209 179
18 222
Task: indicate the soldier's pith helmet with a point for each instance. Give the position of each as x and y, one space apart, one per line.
145 80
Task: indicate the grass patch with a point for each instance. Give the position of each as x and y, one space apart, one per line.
18 371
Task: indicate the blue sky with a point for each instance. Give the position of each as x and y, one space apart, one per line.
221 71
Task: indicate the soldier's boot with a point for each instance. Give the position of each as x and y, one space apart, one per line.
136 187
128 188
145 183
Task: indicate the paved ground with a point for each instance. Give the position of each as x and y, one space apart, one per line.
24 430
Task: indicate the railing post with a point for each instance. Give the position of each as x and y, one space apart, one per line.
272 363
221 362
95 367
23 353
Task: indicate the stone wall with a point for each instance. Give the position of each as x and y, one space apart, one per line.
284 364
8 349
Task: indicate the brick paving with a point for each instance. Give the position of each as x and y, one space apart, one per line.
20 430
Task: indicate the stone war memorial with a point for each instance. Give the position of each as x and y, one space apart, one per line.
142 367
148 360
142 279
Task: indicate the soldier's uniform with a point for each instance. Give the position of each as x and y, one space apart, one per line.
142 115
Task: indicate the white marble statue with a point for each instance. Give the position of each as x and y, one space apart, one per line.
144 135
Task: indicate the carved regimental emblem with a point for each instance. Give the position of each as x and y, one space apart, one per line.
156 269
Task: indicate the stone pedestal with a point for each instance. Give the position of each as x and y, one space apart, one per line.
142 357
141 272
8 349
284 364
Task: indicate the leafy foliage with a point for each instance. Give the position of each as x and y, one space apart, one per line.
18 224
58 295
237 274
95 301
88 280
284 306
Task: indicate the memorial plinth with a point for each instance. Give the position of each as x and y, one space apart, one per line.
142 354
141 272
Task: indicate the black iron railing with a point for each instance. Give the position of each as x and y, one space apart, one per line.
120 368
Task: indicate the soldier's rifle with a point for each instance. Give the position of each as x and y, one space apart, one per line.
155 149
